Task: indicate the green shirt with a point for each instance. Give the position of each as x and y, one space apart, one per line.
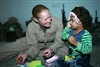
83 47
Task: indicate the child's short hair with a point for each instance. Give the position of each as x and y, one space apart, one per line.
84 16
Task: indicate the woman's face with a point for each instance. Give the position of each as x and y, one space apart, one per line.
44 18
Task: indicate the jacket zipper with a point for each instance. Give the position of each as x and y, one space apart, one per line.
45 36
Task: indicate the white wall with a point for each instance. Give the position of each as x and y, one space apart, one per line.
22 8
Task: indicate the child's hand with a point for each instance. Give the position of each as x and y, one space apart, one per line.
72 40
69 24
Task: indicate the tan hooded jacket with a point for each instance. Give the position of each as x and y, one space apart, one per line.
39 39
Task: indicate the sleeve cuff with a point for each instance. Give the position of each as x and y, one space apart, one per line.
78 48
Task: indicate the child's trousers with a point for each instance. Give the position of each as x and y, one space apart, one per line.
79 61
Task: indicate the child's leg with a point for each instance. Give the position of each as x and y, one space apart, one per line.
61 63
81 61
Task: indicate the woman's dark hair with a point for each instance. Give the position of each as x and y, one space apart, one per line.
38 9
84 16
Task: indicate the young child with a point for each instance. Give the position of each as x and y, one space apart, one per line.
79 38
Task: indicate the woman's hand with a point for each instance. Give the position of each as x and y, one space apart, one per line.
21 58
47 53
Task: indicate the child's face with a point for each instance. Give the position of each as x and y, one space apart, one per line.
75 21
74 24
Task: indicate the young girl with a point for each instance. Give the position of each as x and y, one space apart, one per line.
79 38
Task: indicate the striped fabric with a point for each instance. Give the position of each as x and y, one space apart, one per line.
84 46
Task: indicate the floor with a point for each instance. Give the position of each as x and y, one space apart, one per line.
95 58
